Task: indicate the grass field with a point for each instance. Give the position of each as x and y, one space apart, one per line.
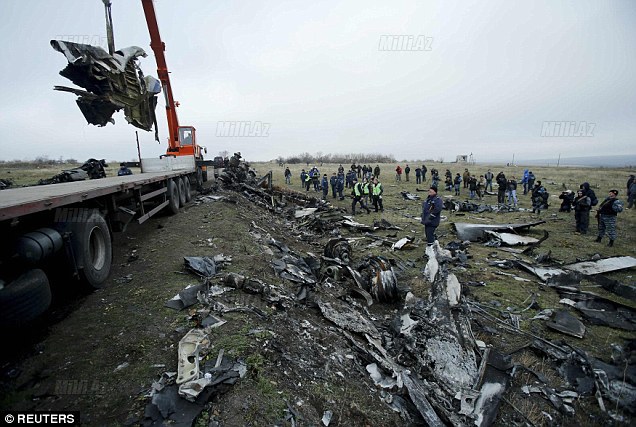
564 244
155 281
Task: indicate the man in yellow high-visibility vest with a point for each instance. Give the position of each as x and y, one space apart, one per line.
377 195
357 197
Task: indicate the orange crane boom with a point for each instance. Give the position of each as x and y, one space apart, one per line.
181 139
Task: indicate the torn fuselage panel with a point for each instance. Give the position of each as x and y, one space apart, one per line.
476 232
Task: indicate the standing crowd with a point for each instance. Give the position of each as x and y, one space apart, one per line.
366 190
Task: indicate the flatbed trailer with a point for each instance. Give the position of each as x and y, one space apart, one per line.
17 202
67 228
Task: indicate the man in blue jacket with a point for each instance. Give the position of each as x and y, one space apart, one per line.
334 183
325 187
340 185
431 210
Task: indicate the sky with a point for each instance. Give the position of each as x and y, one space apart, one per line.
491 78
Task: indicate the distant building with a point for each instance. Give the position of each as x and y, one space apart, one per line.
462 158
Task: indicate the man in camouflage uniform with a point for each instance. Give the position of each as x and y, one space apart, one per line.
606 215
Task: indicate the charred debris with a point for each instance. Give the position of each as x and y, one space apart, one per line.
437 358
91 169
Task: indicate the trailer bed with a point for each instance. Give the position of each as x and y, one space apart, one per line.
16 202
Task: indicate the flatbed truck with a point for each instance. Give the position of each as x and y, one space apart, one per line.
68 227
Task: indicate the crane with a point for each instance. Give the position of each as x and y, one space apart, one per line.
181 139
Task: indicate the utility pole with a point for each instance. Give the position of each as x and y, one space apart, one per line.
138 150
559 160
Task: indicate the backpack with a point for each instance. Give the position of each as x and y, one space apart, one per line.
593 198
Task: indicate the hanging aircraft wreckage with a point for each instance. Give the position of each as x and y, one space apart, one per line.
112 82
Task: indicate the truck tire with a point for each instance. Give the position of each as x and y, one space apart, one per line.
182 195
173 197
188 188
93 249
24 299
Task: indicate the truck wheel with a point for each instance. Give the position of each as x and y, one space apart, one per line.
93 249
182 195
173 197
24 299
188 189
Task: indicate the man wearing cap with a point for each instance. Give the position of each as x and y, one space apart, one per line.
606 215
431 210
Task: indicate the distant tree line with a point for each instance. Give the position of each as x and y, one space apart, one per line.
319 157
38 161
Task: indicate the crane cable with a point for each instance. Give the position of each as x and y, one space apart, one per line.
109 27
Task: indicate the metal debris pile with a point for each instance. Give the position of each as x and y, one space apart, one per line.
91 169
470 206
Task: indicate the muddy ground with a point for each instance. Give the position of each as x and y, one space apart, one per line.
99 352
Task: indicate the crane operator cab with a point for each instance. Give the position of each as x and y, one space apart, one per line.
186 135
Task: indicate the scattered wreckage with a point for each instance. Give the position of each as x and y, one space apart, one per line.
422 358
459 206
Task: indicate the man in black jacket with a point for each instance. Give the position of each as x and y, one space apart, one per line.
568 199
589 193
582 206
502 184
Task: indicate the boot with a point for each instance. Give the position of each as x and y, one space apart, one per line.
368 211
611 243
598 239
